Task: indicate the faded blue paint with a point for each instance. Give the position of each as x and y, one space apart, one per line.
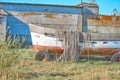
86 11
15 27
84 29
41 8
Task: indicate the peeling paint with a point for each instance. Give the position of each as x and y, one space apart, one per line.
50 15
29 13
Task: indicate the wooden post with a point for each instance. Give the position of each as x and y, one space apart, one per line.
71 42
71 47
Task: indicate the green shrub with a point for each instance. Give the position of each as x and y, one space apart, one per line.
9 57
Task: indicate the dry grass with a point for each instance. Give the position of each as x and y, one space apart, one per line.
29 69
52 70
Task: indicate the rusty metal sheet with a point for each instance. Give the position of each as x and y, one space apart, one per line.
103 20
104 24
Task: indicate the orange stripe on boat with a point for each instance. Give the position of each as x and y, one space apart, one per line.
50 48
101 51
84 51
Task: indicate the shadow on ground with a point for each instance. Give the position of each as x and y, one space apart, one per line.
31 75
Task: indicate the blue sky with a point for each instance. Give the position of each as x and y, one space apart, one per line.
105 6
